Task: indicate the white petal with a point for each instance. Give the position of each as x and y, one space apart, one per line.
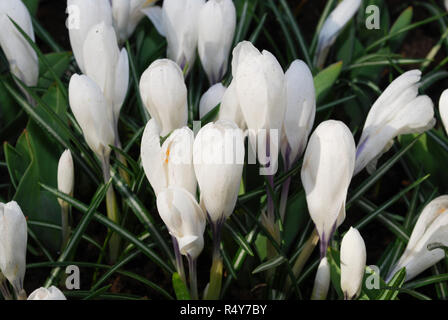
321 281
300 107
51 293
66 173
443 108
334 24
216 28
211 98
218 156
326 174
353 263
121 82
230 107
184 218
152 159
154 14
164 94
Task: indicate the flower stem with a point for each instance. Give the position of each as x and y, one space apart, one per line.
4 288
179 262
304 255
192 266
112 212
284 197
123 173
214 288
64 221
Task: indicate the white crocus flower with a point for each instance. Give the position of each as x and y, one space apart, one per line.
164 94
300 111
83 15
431 227
326 173
107 66
170 164
399 110
13 241
211 98
230 107
218 157
443 109
216 28
51 293
261 88
334 24
180 25
21 56
184 218
353 263
322 281
127 14
92 113
446 5
66 174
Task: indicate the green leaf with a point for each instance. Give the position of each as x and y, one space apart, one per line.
325 79
180 289
402 22
59 62
32 6
270 264
393 286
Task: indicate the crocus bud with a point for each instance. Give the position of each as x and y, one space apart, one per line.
51 293
83 15
66 174
431 227
170 164
322 281
13 240
184 218
180 24
261 88
211 98
353 263
326 174
218 157
230 108
126 15
399 110
164 94
92 113
443 109
105 64
334 24
300 111
217 22
21 56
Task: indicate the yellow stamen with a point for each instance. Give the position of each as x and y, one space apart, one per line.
148 3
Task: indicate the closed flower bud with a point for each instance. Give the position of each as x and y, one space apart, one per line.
164 94
218 157
13 241
21 56
399 110
334 24
431 227
105 64
184 218
322 281
217 22
326 174
51 293
443 109
300 111
230 107
83 15
170 164
126 15
180 24
261 88
92 113
353 263
211 98
66 174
